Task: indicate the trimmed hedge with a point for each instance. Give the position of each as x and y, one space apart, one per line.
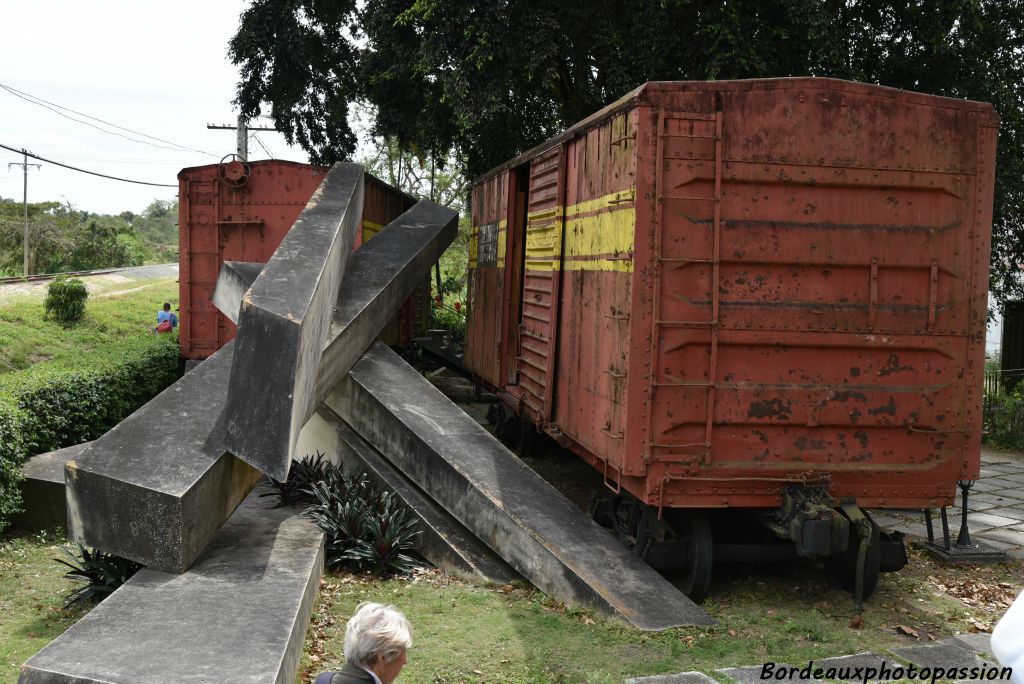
49 407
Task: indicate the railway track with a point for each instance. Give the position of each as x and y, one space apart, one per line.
43 277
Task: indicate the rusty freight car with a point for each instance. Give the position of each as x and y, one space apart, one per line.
765 296
237 211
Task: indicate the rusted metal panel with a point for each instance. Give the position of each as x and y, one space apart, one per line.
485 288
805 296
221 218
596 273
538 317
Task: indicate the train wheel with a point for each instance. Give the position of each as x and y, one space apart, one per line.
842 567
694 528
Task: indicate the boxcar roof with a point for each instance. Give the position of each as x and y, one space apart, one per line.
650 92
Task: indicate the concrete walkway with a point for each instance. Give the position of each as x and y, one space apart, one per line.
995 507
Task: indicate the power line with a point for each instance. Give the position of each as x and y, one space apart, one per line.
91 173
46 104
257 139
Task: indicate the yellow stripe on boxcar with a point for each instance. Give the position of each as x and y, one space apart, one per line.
599 236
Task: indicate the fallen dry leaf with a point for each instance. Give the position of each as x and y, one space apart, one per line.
909 631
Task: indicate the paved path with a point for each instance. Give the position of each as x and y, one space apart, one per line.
995 507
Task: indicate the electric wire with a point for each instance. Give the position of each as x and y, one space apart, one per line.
269 153
91 173
46 104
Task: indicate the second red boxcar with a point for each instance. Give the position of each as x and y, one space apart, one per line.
241 212
748 294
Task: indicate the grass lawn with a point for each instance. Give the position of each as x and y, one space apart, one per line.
32 594
115 310
788 614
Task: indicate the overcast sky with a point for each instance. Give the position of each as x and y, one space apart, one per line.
160 68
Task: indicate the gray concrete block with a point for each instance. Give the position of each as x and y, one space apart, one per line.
849 664
680 678
443 540
238 615
979 643
380 275
158 486
233 281
752 674
283 324
42 490
946 655
484 486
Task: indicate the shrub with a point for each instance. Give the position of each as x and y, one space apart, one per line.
448 318
101 572
1005 427
49 407
65 299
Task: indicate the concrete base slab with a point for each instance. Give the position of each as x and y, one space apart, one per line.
752 674
158 486
946 655
680 678
42 490
443 541
978 553
239 615
497 497
979 643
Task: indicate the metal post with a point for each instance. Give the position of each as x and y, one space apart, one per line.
963 540
24 167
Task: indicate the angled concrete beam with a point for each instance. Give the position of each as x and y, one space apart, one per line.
283 322
158 486
238 615
497 497
234 279
443 541
380 275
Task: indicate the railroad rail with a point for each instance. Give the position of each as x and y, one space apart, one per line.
10 280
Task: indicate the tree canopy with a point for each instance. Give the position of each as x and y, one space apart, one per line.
488 80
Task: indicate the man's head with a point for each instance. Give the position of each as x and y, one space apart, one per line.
167 306
376 638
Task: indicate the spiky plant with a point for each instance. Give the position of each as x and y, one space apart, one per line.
101 572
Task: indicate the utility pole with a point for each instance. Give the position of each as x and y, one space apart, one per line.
242 134
24 166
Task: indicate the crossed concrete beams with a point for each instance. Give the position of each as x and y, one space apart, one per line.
158 486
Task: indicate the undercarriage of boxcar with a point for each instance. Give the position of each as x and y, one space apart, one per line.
756 308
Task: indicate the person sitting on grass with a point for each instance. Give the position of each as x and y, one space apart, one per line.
166 321
376 640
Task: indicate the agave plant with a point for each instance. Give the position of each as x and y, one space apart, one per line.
101 572
386 538
366 528
295 491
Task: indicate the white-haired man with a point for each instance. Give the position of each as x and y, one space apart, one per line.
376 639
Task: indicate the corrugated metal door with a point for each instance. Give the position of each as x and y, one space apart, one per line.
538 317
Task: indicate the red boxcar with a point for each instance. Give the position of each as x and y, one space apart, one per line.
717 291
236 212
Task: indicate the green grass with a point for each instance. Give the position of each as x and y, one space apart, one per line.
28 338
466 633
32 594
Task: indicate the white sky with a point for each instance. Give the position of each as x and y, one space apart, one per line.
156 67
